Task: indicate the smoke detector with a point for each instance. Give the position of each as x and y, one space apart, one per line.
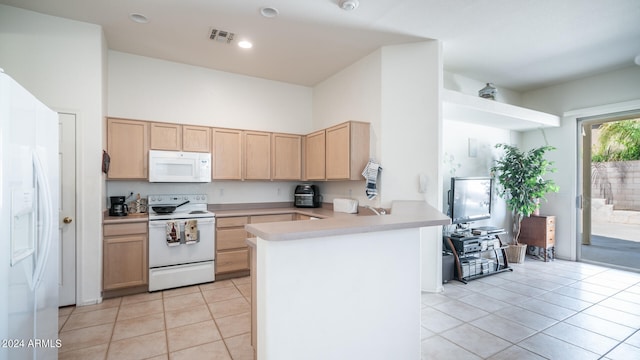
222 36
349 5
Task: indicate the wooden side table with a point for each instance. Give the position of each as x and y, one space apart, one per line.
538 232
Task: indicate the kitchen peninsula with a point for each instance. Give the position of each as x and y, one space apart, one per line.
340 288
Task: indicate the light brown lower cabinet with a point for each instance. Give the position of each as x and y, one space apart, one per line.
232 253
125 256
233 260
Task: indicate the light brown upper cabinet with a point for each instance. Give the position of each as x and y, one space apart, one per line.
227 154
347 150
128 148
166 136
196 138
257 155
314 164
286 156
174 137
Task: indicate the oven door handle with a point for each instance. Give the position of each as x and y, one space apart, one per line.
163 223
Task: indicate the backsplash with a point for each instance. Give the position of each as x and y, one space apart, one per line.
218 192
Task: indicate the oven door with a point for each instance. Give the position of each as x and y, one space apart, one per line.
164 253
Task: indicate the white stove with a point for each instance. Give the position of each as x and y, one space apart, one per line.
195 208
181 242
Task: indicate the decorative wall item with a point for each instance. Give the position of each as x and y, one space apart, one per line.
488 92
450 161
473 147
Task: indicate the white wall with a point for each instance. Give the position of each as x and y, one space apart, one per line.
397 90
600 91
62 63
471 86
365 306
151 89
351 94
458 162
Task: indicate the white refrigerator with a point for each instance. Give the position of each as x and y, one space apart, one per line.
29 231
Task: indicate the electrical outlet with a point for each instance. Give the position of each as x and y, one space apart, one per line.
221 192
278 191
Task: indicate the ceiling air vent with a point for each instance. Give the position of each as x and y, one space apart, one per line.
222 36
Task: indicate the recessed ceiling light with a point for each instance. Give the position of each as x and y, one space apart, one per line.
139 18
269 12
245 44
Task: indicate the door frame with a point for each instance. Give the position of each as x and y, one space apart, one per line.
584 125
569 125
77 204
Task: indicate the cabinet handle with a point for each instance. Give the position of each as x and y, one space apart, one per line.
67 220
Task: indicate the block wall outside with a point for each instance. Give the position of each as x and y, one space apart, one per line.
618 182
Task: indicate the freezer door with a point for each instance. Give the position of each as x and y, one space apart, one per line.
28 236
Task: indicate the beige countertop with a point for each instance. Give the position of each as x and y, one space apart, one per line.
322 213
130 218
404 215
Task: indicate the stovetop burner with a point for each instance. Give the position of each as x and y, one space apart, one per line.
195 208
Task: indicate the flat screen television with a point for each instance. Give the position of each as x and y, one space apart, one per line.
470 199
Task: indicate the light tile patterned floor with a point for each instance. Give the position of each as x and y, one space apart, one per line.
210 321
553 310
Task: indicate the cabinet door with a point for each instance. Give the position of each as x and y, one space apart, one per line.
232 238
125 261
257 155
235 260
338 152
128 148
196 138
286 156
315 155
534 231
227 154
166 136
347 150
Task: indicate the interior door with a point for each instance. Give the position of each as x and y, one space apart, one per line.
67 211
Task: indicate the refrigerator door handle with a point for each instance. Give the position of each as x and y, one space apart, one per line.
44 200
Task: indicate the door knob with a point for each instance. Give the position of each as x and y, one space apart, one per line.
67 220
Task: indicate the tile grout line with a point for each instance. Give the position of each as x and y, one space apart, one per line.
113 330
556 321
216 324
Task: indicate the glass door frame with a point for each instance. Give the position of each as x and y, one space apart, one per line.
584 135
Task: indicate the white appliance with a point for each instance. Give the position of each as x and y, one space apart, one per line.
29 231
178 167
175 259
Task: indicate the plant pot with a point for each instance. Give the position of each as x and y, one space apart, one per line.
516 253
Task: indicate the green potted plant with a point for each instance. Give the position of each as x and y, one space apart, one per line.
521 184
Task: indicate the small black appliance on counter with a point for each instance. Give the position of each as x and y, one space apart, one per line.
118 207
307 196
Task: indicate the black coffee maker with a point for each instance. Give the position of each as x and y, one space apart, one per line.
118 207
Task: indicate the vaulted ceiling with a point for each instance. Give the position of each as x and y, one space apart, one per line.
517 44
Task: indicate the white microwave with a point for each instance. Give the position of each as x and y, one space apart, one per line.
179 167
